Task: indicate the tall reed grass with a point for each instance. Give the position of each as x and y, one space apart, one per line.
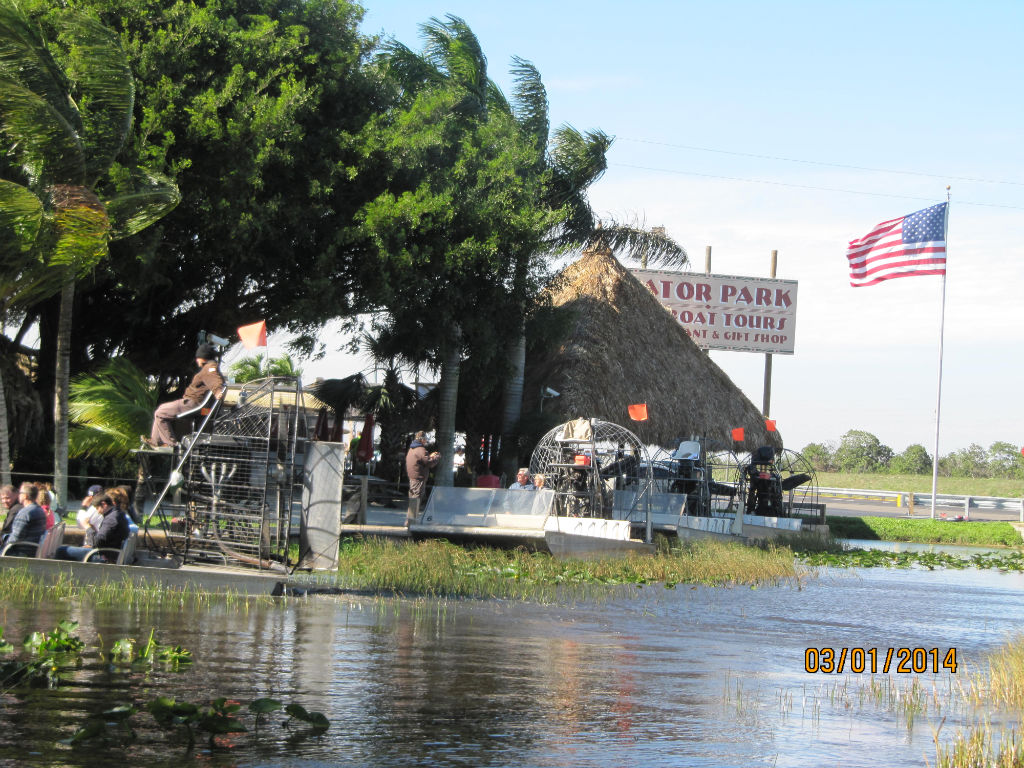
439 568
17 584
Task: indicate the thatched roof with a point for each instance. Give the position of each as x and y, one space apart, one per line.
624 348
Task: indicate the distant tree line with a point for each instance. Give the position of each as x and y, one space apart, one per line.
861 451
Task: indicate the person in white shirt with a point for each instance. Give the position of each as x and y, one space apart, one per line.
89 518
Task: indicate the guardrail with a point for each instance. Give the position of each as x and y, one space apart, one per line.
912 500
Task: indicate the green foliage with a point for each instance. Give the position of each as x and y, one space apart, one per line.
962 486
254 367
998 534
914 460
251 108
861 451
109 409
820 455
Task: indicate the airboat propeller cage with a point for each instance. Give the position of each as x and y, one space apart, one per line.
613 479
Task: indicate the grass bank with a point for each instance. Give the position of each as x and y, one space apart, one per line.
439 568
925 531
961 486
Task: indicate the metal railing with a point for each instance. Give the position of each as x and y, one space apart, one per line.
912 500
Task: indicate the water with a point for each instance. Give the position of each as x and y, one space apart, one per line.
653 677
963 550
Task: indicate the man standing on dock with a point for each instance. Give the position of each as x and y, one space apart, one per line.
418 464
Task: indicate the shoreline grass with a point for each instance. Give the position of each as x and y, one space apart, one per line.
928 531
438 568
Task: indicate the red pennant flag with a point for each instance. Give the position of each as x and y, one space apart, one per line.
737 435
254 335
769 424
638 412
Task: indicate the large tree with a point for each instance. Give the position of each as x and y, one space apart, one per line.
63 126
458 197
251 105
565 164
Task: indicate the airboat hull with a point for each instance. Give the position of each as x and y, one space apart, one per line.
520 518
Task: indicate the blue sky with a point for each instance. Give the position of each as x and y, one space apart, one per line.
750 126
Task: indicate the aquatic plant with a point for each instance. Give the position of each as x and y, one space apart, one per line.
17 584
877 558
439 568
925 531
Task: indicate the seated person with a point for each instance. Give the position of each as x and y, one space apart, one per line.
538 481
89 518
111 534
208 378
522 482
9 505
29 524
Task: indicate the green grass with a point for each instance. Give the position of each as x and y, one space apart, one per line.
19 584
960 486
439 568
925 531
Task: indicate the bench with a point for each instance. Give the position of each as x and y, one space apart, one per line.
125 555
46 549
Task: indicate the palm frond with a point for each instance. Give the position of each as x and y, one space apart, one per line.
43 144
530 101
577 160
110 409
339 394
653 246
132 212
453 49
101 74
25 58
410 69
21 214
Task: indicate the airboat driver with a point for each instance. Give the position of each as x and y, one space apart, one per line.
208 379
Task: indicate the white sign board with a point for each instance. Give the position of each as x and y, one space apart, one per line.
744 314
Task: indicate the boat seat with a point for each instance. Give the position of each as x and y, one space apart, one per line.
125 555
45 549
185 423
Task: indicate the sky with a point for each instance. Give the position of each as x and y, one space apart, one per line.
798 126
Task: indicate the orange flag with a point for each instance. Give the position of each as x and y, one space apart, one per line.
737 435
769 424
638 412
254 335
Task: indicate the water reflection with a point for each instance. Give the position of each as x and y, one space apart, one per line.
653 677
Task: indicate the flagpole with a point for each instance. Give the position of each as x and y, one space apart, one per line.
938 395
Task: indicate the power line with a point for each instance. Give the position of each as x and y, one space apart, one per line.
808 186
821 162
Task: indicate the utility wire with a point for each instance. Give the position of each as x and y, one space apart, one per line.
808 186
823 163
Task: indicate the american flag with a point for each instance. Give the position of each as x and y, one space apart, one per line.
910 245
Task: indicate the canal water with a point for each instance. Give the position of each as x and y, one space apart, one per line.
691 676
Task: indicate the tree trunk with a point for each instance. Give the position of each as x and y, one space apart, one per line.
60 396
513 404
450 368
5 436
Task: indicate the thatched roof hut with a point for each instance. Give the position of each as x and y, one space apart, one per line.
624 348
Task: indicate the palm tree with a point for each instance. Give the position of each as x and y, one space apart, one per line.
449 87
62 129
569 162
255 367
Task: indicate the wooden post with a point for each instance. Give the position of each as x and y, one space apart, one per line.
707 260
766 406
364 497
